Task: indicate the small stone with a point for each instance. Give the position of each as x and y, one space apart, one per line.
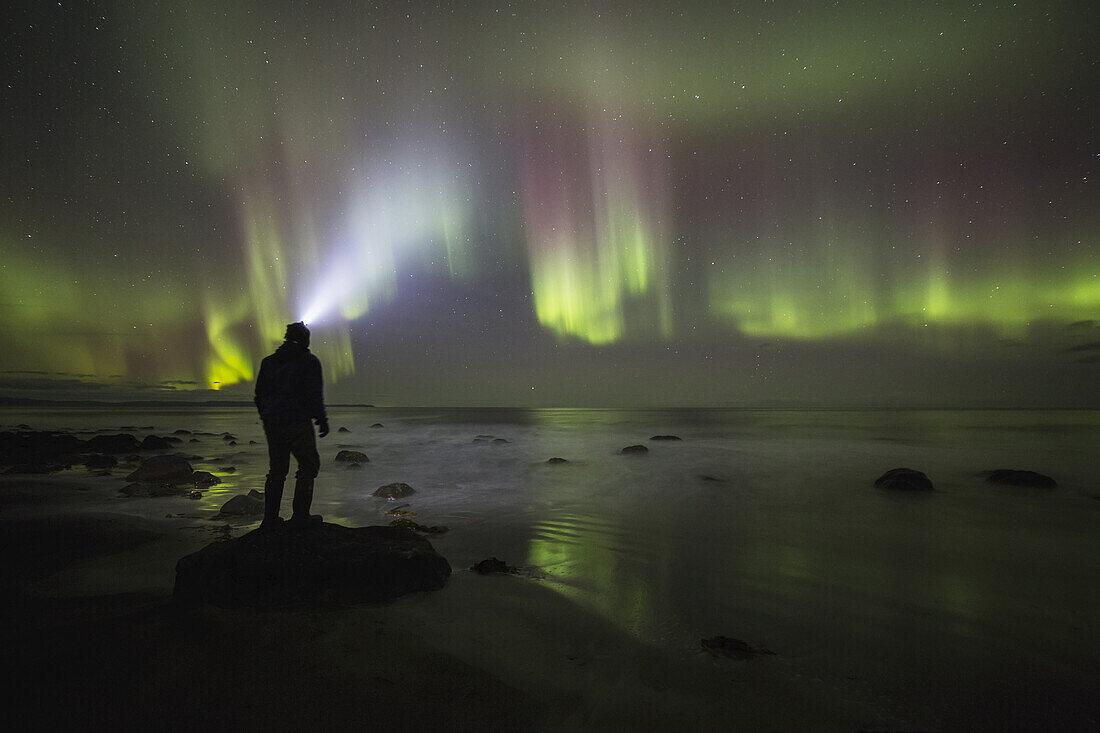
343 430
353 456
498 441
904 479
377 425
555 459
666 437
634 450
1012 477
725 646
492 565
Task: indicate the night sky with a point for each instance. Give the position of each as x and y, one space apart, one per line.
857 204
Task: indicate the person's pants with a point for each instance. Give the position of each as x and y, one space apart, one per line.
284 440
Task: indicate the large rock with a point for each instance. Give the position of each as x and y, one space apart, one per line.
394 491
1012 477
154 442
170 469
122 443
322 564
38 448
243 505
352 456
635 450
904 479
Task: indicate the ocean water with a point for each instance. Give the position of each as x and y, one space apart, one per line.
762 525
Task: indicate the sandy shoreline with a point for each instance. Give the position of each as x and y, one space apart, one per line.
96 642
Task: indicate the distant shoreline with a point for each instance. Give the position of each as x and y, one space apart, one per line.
29 402
18 402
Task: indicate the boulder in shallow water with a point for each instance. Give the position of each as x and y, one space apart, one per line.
324 563
169 469
904 479
634 450
1013 477
665 437
394 491
153 442
352 456
122 443
243 505
204 478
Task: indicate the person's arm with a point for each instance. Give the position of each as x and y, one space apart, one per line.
261 387
315 399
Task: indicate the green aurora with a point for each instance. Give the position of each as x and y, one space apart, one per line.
592 182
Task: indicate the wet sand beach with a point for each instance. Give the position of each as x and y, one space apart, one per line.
965 608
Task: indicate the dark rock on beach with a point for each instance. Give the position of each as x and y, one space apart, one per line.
323 564
99 460
499 441
1012 477
634 450
152 442
243 505
204 478
377 425
666 437
121 443
410 524
45 449
493 565
555 459
169 469
394 491
352 456
904 479
343 430
725 646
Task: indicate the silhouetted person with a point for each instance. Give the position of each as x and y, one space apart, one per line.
289 396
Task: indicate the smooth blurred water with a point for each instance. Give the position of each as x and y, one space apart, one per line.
762 525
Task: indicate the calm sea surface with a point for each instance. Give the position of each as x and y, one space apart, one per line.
762 525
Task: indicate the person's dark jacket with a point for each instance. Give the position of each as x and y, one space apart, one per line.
288 387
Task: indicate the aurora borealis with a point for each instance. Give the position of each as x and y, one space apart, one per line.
570 203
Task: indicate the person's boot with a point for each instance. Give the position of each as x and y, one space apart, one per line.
273 499
303 498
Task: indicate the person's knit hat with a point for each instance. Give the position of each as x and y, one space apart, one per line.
298 333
